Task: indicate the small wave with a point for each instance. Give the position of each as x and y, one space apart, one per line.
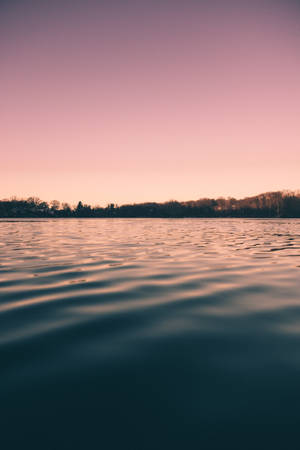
187 330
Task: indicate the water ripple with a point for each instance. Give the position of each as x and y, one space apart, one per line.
176 333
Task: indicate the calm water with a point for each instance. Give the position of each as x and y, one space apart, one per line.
150 334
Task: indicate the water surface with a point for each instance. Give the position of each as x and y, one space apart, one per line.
150 334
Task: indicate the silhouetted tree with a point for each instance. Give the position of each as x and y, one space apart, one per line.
269 204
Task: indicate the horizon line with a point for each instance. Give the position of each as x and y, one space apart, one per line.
94 205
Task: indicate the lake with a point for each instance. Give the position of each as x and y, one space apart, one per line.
149 334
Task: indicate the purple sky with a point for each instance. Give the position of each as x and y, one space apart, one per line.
137 101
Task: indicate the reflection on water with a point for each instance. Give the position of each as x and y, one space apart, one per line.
150 334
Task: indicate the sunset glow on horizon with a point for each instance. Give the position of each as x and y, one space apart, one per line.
149 101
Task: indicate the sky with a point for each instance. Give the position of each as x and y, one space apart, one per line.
133 101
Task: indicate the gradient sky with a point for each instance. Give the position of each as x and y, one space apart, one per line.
130 101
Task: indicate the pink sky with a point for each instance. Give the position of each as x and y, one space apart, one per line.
163 100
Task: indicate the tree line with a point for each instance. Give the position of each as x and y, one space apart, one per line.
269 204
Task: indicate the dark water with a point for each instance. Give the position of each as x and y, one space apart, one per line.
150 334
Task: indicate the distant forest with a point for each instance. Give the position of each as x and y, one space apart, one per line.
270 204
